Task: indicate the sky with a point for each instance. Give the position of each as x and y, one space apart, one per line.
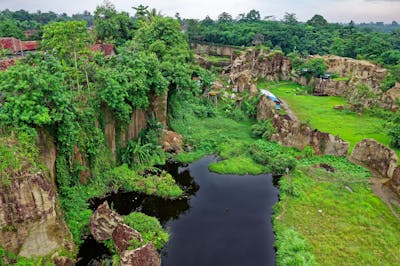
333 10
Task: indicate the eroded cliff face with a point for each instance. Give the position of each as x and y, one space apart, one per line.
258 63
354 71
158 110
30 223
290 132
391 99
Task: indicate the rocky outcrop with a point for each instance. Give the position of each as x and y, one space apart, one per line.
47 151
292 133
106 224
218 50
377 156
390 99
103 222
258 63
29 222
82 164
395 182
144 256
356 72
159 107
123 235
171 141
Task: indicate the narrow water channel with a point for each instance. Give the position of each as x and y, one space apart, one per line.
224 220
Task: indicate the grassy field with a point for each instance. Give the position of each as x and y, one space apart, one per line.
336 214
319 112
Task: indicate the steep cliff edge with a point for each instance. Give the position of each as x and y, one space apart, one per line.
30 221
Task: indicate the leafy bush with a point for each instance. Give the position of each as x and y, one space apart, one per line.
263 129
280 163
149 227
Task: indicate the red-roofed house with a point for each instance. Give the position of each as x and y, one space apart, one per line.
17 46
106 49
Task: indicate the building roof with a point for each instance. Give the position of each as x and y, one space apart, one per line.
6 63
106 49
16 45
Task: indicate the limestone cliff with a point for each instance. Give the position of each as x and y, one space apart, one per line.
29 213
292 133
353 72
258 63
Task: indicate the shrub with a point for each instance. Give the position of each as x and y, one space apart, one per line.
279 164
149 227
263 129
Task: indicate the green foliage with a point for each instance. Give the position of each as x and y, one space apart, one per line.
162 184
276 157
263 129
394 130
240 165
17 152
66 40
149 227
313 66
313 196
35 94
9 258
293 249
110 25
282 163
9 28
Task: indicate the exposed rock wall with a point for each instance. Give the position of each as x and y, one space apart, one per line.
258 63
106 224
29 222
292 133
218 50
389 99
376 156
380 159
47 151
357 72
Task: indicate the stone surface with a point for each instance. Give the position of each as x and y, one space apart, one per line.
47 151
357 72
146 255
63 261
389 99
292 133
28 218
395 182
122 236
103 222
171 141
83 164
159 107
376 156
258 63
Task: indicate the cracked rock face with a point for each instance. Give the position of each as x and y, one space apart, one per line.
103 222
28 217
146 255
376 156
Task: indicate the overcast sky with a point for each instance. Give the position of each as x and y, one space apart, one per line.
332 10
